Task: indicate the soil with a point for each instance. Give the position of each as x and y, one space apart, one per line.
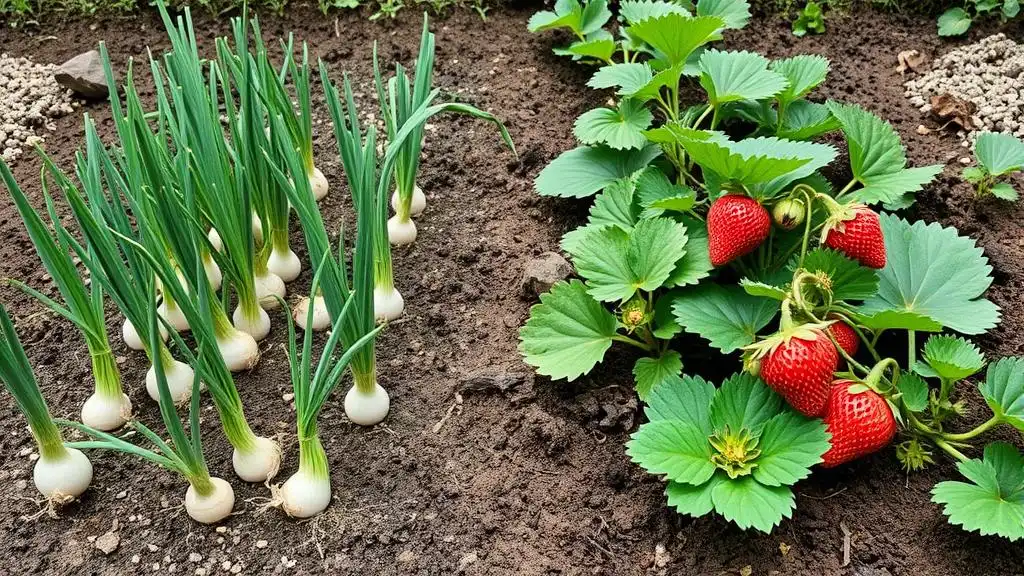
481 468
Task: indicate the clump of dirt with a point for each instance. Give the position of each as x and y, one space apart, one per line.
977 86
30 101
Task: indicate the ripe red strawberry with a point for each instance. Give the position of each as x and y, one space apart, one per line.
859 423
858 234
845 336
800 369
736 226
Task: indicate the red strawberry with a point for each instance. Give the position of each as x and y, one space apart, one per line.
857 233
736 226
859 423
800 369
845 336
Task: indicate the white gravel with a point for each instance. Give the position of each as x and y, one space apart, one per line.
31 100
989 73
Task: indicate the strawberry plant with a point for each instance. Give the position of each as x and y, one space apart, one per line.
713 218
999 156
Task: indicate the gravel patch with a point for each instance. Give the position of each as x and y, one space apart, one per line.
31 99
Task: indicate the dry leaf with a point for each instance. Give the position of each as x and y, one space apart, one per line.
909 60
954 110
784 548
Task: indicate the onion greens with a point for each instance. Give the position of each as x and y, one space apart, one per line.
62 472
108 408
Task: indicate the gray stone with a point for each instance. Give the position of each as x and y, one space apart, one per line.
108 542
542 272
83 75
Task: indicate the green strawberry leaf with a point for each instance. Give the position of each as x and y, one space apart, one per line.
696 264
806 120
954 22
614 207
1010 9
673 448
738 76
567 14
744 401
935 273
877 158
992 502
621 128
755 160
686 399
628 78
953 358
999 153
599 48
1003 390
898 320
735 13
850 280
649 372
914 390
726 316
665 325
790 444
1004 191
586 170
675 36
617 263
750 504
568 333
974 174
634 11
595 15
573 239
657 194
763 290
804 73
693 500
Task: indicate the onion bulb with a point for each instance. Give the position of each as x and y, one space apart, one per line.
214 506
62 477
401 232
318 184
285 264
106 413
257 327
267 286
367 408
418 204
132 338
179 380
321 317
305 495
258 464
239 350
387 304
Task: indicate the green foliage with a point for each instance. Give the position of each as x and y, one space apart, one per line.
957 20
999 155
811 19
735 451
992 500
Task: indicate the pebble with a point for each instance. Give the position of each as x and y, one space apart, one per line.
261 543
32 100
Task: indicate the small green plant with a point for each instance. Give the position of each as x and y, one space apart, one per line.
811 19
958 20
999 155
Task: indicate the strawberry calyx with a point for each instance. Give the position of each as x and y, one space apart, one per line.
838 214
735 452
788 329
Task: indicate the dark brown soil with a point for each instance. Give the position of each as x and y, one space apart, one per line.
523 476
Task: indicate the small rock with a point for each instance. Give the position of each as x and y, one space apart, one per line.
407 556
467 560
661 556
261 543
84 76
108 542
542 272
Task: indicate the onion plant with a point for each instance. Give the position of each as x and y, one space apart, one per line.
397 103
108 408
123 277
62 472
222 180
299 123
308 491
208 499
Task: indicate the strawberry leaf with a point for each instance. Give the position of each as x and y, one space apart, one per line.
898 320
595 15
992 501
738 76
953 358
601 47
696 264
665 325
568 333
803 73
878 160
634 11
850 280
933 273
686 399
806 120
620 128
679 450
750 504
586 170
617 263
744 402
650 372
735 13
567 14
954 22
614 206
1003 390
755 160
790 444
628 78
675 36
1004 191
763 290
726 316
657 194
999 153
572 239
914 390
693 500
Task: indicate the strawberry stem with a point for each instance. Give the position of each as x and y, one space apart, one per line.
980 429
874 377
633 342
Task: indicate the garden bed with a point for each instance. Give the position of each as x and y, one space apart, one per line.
481 466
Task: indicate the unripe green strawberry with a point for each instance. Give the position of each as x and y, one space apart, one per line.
737 225
789 213
859 423
800 369
857 232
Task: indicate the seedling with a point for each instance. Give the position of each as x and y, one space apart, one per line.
999 156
